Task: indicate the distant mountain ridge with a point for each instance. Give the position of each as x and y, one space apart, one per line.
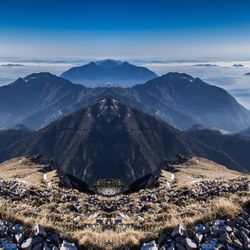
33 93
108 72
131 142
206 104
179 99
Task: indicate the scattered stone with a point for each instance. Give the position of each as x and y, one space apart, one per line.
200 228
149 246
190 244
210 245
178 231
39 231
68 246
237 244
19 238
8 246
27 244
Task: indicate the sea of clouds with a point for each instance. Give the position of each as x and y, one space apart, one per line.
228 74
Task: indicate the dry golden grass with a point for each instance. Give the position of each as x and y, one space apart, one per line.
136 227
130 237
197 169
24 170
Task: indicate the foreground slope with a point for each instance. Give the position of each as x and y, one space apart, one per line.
188 193
111 140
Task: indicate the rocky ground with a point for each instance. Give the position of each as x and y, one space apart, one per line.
187 194
218 234
15 236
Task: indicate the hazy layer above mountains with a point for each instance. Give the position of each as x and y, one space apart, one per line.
225 75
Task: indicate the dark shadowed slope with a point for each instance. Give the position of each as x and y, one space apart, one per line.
33 93
11 136
209 105
108 72
235 145
111 140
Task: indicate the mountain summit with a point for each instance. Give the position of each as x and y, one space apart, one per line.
108 72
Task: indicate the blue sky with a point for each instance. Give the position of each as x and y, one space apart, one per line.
124 28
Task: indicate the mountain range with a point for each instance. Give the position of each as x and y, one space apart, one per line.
178 99
108 72
110 140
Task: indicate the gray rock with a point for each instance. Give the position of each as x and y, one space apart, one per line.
68 246
8 246
19 238
247 246
38 246
241 221
198 238
54 238
200 228
178 231
244 236
17 229
39 231
27 244
149 246
245 216
245 230
179 239
224 238
171 247
179 246
45 246
3 228
209 245
163 238
190 244
226 228
189 233
237 244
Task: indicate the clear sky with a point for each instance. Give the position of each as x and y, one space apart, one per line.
124 28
